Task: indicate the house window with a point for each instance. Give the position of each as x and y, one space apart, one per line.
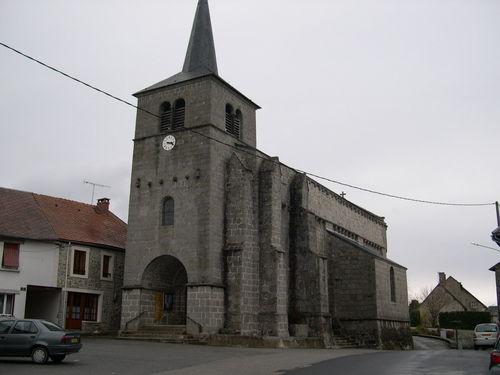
179 114
393 285
90 307
7 304
168 212
10 258
80 263
107 267
165 117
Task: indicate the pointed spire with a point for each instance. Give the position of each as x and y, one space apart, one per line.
200 56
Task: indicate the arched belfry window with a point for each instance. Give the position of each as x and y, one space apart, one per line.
167 216
238 120
179 114
165 117
393 285
233 120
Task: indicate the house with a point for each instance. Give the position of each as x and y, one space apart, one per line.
61 260
448 296
224 238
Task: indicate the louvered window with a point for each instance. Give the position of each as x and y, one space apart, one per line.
233 121
179 114
238 118
168 212
229 118
165 117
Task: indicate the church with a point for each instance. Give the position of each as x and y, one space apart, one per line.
227 242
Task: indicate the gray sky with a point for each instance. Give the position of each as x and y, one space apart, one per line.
401 96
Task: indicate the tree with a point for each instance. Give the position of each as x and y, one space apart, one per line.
432 301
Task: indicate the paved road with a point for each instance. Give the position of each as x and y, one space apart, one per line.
114 357
432 357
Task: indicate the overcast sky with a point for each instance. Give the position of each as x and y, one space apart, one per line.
400 96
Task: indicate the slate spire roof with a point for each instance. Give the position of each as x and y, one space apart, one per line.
200 56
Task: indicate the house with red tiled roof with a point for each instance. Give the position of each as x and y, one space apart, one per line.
61 260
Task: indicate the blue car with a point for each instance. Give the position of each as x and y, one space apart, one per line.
38 339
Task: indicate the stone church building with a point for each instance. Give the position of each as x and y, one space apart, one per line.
226 240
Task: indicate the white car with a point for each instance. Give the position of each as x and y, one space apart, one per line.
485 335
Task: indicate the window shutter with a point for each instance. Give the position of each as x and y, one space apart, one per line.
165 117
10 256
179 114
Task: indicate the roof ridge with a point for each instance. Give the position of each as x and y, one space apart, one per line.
65 199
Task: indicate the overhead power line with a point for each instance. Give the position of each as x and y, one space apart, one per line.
239 149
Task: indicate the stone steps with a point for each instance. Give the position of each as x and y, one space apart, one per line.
174 334
165 329
343 342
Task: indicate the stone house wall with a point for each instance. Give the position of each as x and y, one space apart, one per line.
110 291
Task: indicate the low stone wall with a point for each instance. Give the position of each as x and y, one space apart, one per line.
266 342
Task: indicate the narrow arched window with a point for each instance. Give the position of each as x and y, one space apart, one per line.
165 117
179 114
167 212
229 118
238 120
393 285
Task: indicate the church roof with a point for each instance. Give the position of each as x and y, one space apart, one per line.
33 216
201 60
200 55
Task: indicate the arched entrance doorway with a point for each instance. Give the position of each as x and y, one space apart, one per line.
164 293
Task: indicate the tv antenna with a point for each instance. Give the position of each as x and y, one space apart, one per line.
486 247
93 188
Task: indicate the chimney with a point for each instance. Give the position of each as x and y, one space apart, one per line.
442 277
102 205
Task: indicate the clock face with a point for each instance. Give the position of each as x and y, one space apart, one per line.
169 142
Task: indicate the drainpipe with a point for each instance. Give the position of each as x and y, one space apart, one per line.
65 293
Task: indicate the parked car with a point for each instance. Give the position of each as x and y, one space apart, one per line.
485 335
495 358
38 339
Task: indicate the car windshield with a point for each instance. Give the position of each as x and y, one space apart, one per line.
52 327
486 328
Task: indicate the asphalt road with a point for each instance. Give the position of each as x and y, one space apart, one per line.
432 357
118 357
115 357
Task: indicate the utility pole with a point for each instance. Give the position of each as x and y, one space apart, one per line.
93 188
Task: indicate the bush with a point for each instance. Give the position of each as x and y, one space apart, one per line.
463 319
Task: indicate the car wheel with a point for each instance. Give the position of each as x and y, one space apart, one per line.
40 355
57 358
475 347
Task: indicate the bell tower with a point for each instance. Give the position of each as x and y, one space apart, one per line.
176 211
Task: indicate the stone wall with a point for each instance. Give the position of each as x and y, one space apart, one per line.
337 210
205 308
110 291
386 308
